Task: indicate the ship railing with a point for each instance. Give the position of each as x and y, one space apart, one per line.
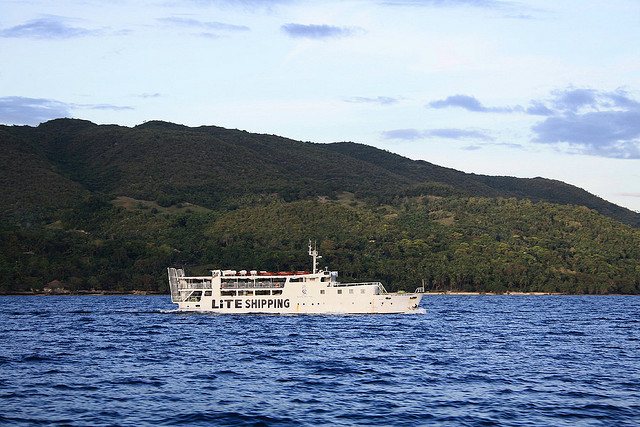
194 284
357 284
179 283
380 290
257 285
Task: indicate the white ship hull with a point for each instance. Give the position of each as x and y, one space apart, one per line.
243 292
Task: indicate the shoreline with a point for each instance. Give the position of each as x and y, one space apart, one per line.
76 293
495 293
139 292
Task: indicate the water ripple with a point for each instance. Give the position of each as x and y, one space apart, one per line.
464 360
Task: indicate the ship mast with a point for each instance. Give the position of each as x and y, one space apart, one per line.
314 253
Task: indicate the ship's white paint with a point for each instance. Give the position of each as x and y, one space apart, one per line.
303 292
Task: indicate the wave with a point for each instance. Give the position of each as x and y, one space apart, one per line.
37 358
487 364
227 419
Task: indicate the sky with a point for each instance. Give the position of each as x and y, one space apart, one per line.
519 88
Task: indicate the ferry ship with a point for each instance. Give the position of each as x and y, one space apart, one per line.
285 292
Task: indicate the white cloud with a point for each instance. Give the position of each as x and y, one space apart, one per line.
593 122
411 134
468 103
30 111
448 3
382 100
33 111
578 120
319 31
208 25
52 27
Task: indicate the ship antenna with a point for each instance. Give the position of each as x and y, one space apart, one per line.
314 253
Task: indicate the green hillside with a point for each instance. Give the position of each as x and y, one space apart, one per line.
110 207
217 167
535 189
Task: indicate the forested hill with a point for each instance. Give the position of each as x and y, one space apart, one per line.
212 166
535 189
108 208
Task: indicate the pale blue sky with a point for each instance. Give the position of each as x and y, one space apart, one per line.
520 88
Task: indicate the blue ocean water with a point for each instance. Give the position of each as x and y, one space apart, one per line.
463 360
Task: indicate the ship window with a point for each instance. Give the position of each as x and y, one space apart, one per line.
276 292
339 291
195 296
262 292
325 279
350 291
207 293
245 293
321 291
296 279
362 291
228 293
